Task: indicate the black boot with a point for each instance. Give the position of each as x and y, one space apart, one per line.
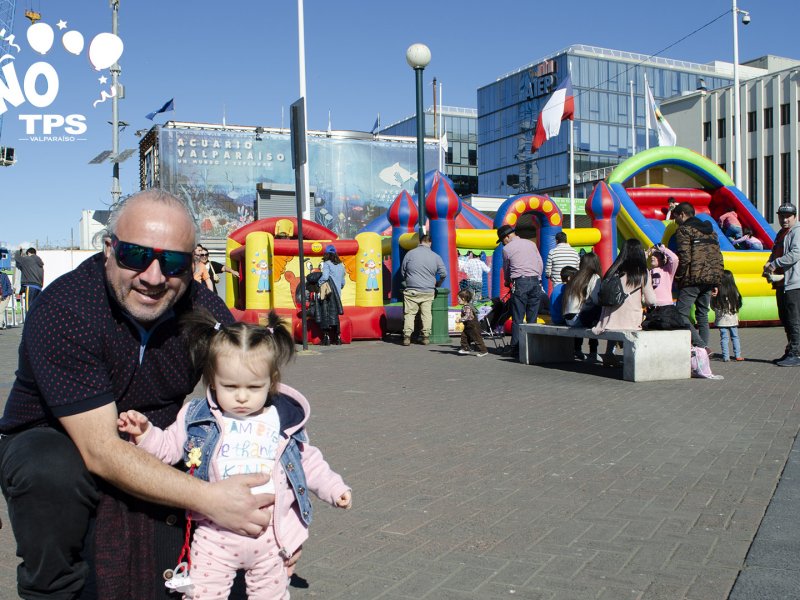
326 339
336 339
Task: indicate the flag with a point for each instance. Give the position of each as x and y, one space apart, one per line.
377 126
443 143
559 107
653 119
168 106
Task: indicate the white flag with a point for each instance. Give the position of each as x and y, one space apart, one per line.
653 119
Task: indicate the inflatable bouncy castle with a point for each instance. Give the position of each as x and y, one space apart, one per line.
269 267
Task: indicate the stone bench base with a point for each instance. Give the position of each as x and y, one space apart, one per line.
647 355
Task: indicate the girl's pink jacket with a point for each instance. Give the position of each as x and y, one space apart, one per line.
666 274
290 531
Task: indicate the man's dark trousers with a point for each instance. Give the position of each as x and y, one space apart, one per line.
51 499
791 320
525 301
700 296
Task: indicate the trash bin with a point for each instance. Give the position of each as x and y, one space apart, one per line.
439 311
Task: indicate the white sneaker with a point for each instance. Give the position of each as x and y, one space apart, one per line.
479 354
462 351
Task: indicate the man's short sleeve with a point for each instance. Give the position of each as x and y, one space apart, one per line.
64 357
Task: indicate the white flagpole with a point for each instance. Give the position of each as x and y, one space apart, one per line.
441 131
302 60
633 121
649 109
571 166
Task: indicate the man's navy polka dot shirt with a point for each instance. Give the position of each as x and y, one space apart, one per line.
80 351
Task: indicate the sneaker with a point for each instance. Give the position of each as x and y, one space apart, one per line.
725 359
739 359
580 356
406 341
464 351
775 361
790 361
594 357
425 341
479 354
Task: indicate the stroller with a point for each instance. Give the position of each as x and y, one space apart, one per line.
492 319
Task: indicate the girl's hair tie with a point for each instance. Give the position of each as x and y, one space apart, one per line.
217 325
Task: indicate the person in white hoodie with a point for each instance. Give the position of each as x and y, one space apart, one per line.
789 300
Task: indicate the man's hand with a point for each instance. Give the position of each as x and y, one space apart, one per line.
231 504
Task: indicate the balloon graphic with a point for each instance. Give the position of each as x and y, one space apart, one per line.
40 37
73 42
104 50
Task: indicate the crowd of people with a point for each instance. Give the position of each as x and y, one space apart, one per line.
96 415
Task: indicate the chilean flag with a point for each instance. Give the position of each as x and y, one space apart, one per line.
560 106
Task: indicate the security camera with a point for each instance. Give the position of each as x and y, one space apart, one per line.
746 19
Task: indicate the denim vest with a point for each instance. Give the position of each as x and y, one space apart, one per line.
202 431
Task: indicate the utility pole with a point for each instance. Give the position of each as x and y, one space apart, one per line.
116 192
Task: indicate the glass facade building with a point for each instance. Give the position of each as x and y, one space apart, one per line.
509 108
461 158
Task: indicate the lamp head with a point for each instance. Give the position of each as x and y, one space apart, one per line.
745 18
418 56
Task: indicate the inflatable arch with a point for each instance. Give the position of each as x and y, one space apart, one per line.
628 212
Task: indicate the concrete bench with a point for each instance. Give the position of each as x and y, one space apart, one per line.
647 355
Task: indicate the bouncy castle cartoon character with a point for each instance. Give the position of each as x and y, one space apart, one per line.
372 271
261 269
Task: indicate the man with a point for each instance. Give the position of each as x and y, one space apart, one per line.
784 257
423 271
31 269
669 211
474 268
699 270
563 255
103 339
522 271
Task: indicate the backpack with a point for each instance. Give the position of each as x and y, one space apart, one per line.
612 292
701 366
663 318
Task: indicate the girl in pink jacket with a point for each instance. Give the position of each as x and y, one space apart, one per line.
663 264
249 422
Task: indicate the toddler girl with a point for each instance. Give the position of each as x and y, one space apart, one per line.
248 422
726 304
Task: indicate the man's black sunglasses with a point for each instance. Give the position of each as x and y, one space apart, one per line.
139 258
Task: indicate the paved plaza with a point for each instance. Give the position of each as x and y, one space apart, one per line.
480 478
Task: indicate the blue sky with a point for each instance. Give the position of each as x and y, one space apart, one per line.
241 57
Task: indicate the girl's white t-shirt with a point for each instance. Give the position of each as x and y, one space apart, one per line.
249 445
